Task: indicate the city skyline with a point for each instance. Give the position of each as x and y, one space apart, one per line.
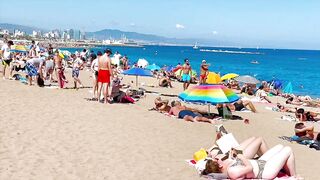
274 24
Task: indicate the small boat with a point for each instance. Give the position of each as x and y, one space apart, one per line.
254 62
195 46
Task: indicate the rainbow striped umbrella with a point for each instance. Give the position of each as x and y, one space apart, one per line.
209 94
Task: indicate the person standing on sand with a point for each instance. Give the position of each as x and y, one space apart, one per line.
76 67
104 74
204 71
59 69
6 56
186 74
94 69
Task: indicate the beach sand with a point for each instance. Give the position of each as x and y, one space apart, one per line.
46 133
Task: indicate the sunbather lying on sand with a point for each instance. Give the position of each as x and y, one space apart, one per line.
240 105
304 131
282 108
162 105
301 102
186 113
237 166
306 115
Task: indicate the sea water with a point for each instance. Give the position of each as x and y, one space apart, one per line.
300 67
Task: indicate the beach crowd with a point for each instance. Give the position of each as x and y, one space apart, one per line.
46 66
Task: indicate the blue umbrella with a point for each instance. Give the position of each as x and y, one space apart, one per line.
288 89
137 72
153 67
169 68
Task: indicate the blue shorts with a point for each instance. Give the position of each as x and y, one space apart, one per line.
184 113
186 78
31 70
75 72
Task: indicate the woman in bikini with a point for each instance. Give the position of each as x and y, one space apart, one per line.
237 166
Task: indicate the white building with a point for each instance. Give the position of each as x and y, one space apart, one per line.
18 33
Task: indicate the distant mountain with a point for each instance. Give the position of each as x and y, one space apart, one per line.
118 34
27 29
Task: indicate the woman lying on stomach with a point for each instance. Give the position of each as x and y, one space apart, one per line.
237 166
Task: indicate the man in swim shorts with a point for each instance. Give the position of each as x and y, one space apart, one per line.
104 74
186 74
185 113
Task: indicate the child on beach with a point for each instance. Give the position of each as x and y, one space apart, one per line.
76 67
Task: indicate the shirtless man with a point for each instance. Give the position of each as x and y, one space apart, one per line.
186 74
59 69
104 74
185 113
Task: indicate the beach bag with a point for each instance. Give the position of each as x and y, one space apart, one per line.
199 155
127 99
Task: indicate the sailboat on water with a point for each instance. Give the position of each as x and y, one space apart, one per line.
195 46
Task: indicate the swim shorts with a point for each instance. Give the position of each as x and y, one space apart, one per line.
6 62
75 72
104 76
31 70
186 78
184 113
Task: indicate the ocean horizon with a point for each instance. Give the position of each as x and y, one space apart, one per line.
298 66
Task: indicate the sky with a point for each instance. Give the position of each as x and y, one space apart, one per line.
248 23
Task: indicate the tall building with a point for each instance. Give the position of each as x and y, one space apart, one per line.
76 34
82 35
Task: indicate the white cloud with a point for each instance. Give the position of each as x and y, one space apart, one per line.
180 26
214 32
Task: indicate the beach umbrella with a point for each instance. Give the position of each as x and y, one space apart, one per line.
213 78
153 67
142 63
137 72
229 76
209 94
168 68
18 48
247 79
288 89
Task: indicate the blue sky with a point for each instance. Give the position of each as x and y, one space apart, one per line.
264 23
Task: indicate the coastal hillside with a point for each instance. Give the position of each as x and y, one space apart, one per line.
26 29
118 34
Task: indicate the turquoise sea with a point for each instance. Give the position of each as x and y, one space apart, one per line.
301 67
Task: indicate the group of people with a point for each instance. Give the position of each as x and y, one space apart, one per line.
44 63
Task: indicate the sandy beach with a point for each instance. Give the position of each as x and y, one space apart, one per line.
46 133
